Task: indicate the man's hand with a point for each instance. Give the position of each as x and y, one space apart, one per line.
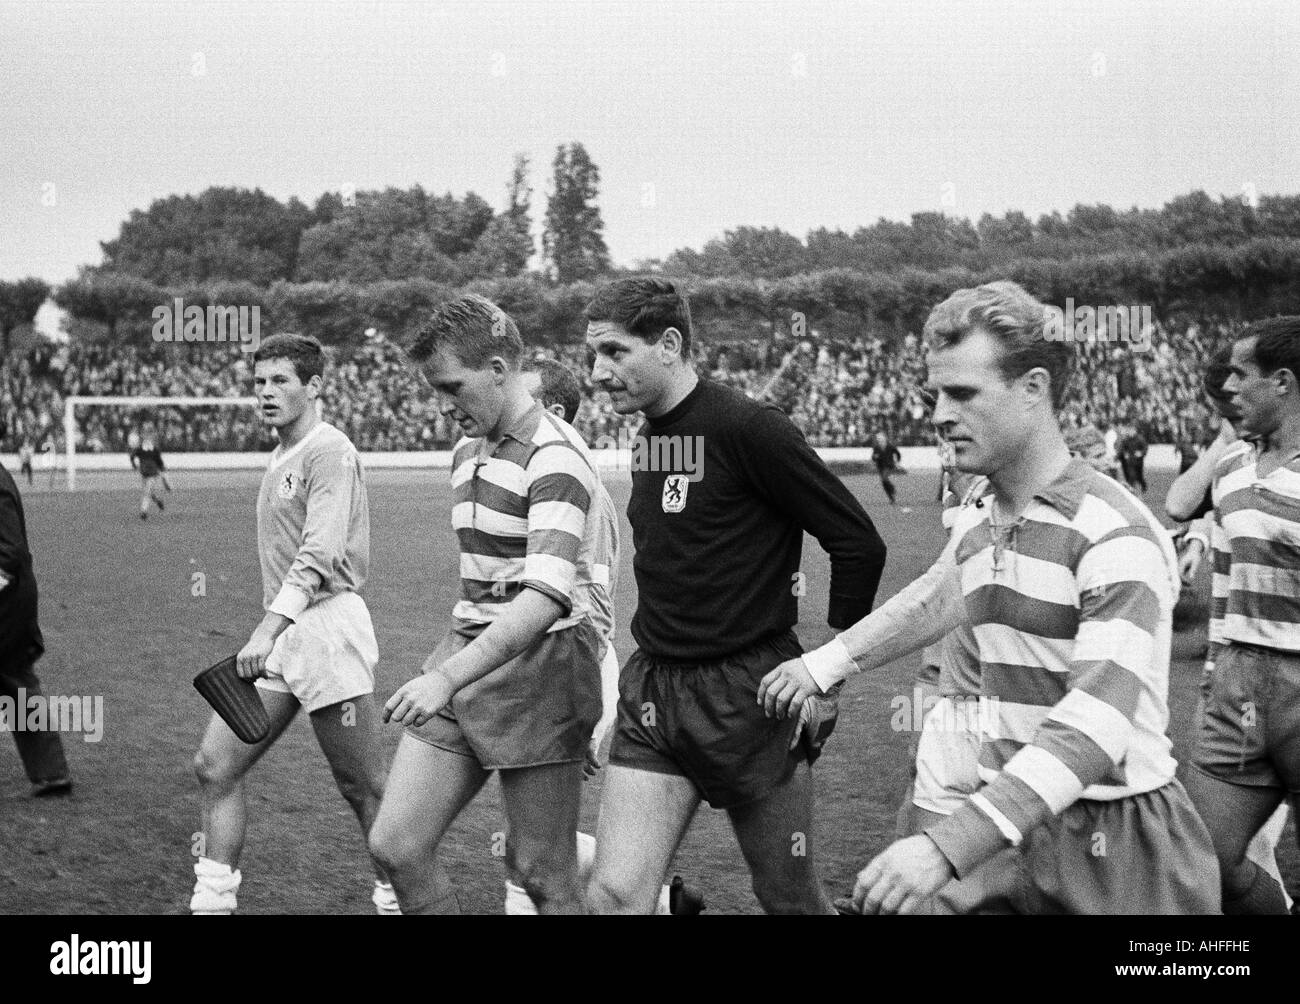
251 661
598 747
418 700
901 877
783 691
1189 562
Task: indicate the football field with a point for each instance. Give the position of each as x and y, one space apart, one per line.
132 610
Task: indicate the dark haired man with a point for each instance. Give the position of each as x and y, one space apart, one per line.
514 686
315 645
723 489
1246 757
1069 583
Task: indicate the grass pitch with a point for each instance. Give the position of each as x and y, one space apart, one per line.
124 617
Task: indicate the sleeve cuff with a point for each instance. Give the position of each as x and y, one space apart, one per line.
290 602
552 591
829 664
967 838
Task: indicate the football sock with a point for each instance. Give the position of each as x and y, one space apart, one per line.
385 900
216 888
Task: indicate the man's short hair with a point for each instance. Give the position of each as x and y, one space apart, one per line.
646 306
1277 344
559 386
1015 320
1217 371
471 327
304 351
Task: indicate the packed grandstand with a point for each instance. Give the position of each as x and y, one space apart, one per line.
839 392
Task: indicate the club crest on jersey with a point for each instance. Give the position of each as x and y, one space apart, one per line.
288 486
675 488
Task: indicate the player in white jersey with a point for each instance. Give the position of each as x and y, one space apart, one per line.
315 646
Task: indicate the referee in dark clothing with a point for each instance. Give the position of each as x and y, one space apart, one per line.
21 644
723 489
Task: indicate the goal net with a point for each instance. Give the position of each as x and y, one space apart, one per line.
159 410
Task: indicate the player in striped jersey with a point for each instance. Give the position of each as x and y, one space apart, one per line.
1069 584
1246 758
514 686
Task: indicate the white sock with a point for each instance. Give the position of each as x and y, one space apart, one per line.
216 888
385 900
518 902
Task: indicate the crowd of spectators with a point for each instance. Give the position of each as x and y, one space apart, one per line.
839 392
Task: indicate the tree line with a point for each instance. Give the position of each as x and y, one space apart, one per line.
1200 282
357 260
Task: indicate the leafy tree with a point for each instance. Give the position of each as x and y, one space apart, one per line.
573 243
222 233
19 302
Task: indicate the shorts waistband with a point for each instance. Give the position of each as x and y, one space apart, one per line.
687 664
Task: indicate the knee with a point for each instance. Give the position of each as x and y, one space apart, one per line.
357 789
606 895
213 771
395 850
545 876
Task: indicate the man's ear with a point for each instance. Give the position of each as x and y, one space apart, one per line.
670 344
314 384
557 410
499 367
1037 385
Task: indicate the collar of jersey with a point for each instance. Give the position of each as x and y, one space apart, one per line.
1066 493
523 430
276 461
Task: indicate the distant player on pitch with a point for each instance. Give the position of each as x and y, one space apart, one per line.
315 646
723 489
1069 584
147 459
514 686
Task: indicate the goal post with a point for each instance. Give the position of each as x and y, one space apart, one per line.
71 404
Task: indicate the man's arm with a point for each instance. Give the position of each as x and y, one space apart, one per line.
787 472
1123 583
1188 490
332 477
561 490
915 617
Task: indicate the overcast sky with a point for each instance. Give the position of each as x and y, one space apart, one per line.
701 116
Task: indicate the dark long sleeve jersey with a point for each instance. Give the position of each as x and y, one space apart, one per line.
723 489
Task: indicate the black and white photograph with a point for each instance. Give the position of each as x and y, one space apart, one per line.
529 457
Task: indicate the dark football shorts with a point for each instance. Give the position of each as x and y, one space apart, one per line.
702 721
539 708
1248 726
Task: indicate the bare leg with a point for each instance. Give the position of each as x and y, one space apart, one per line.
775 835
1233 813
427 788
349 737
643 818
221 764
541 854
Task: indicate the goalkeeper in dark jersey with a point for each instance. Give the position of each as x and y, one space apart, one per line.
147 459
